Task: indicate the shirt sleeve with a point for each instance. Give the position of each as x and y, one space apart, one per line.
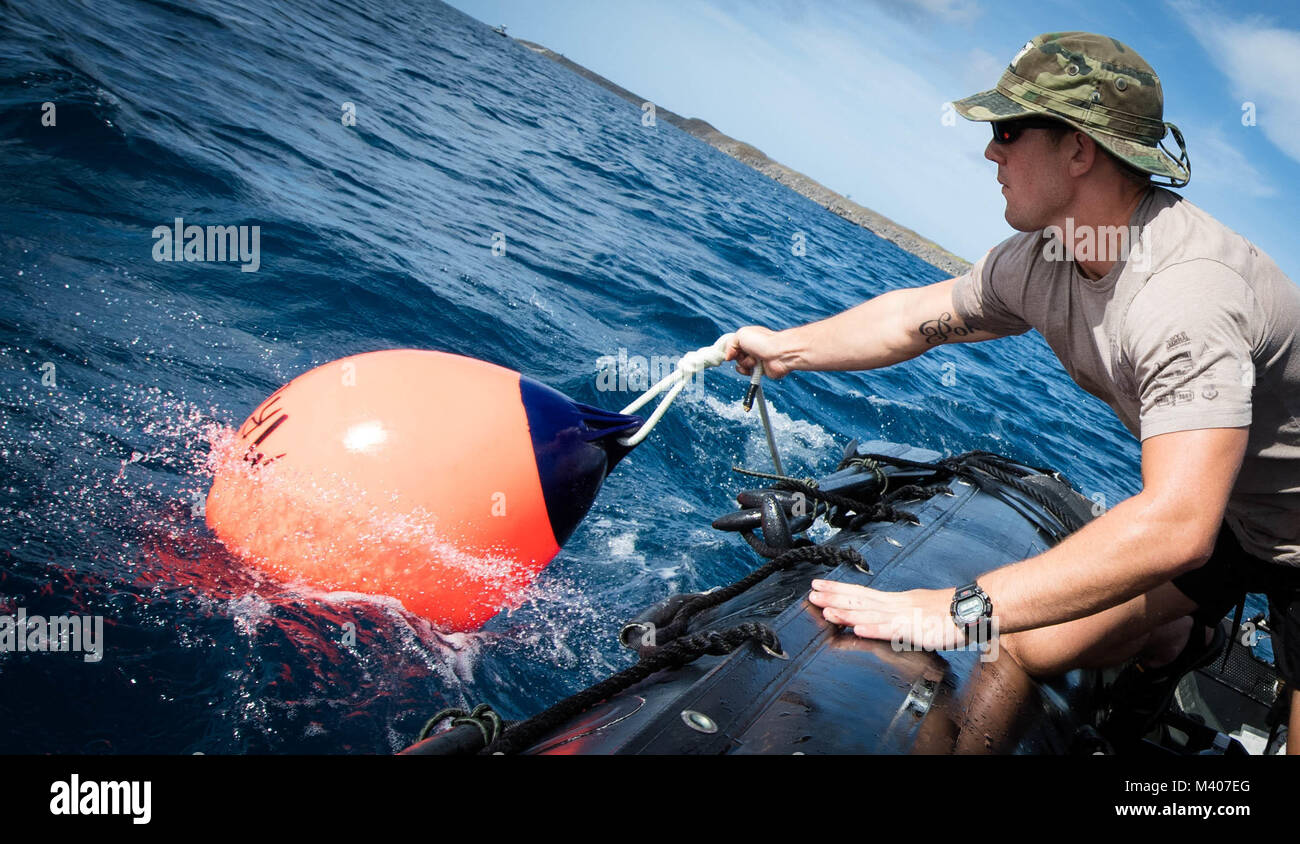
976 297
1188 339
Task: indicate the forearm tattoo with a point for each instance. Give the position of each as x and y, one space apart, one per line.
937 331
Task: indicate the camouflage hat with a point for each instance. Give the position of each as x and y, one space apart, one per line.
1095 84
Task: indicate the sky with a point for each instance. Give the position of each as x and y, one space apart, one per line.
853 92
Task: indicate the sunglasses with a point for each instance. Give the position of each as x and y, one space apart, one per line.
1007 131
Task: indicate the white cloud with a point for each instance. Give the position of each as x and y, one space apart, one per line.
950 11
802 11
1262 63
982 69
1215 161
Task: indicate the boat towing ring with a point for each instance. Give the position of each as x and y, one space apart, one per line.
779 654
698 721
630 630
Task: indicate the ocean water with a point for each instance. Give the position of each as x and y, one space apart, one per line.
117 370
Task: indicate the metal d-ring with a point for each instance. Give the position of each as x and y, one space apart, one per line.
631 630
698 721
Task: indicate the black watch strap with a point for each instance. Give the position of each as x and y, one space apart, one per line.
963 599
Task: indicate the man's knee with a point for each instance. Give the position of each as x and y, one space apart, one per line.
1052 651
1028 650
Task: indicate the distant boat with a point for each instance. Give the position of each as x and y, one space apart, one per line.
500 30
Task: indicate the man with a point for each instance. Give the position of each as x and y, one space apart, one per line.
1182 326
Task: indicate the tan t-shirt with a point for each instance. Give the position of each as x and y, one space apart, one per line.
1196 329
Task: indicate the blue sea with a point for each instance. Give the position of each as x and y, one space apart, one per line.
383 149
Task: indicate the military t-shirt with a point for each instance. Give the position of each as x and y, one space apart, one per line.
1194 328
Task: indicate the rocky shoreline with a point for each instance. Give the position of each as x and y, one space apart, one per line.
880 225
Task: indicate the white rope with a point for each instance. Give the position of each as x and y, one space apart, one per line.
691 363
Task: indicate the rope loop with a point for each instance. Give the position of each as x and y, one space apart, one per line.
690 363
482 716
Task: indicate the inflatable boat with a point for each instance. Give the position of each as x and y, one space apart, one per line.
753 668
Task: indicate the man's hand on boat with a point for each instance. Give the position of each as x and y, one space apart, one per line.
919 617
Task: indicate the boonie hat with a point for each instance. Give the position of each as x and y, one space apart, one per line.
1095 84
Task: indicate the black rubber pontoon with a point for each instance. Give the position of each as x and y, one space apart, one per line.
754 668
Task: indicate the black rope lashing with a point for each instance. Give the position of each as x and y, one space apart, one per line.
1067 520
766 551
867 462
772 476
882 510
807 554
482 716
949 465
1000 459
854 514
850 514
970 464
832 499
885 511
674 654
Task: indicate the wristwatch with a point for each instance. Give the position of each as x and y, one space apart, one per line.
971 607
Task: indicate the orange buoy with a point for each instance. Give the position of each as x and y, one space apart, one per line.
443 481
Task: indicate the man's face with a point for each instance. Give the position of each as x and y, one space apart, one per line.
1032 171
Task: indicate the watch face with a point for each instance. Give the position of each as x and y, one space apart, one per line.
969 609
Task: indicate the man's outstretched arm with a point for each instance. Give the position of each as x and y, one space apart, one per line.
1166 529
891 328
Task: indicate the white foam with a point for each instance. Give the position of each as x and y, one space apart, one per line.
796 439
623 545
